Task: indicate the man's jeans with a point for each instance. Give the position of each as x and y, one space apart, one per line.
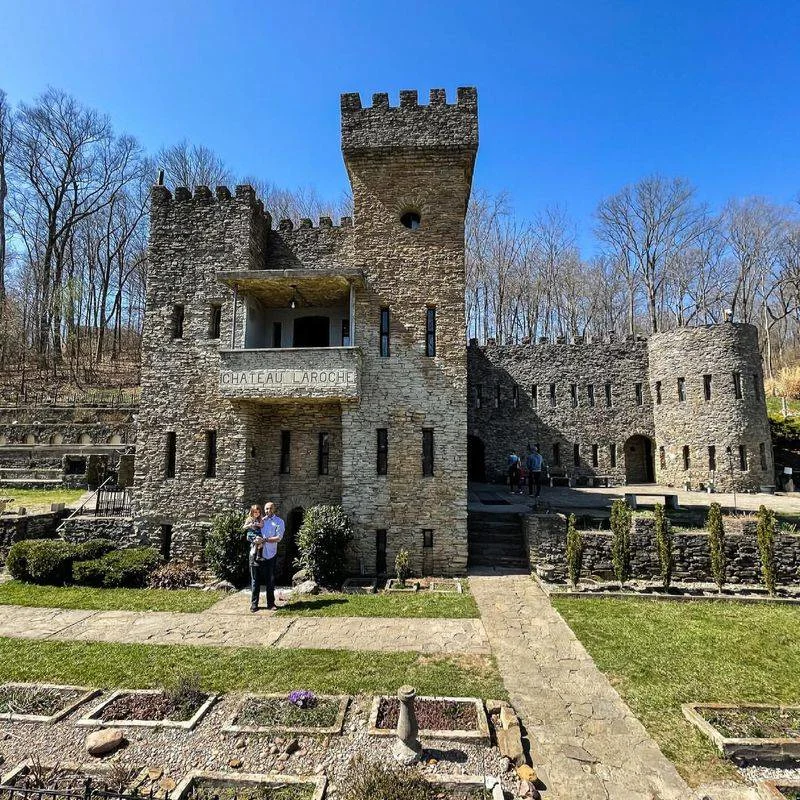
534 480
262 574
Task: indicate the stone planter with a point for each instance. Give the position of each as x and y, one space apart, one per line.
233 727
85 694
316 783
359 586
97 772
456 782
479 735
774 790
92 719
410 586
755 750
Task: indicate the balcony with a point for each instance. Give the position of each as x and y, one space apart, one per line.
291 374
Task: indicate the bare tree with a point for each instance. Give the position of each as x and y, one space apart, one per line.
6 139
193 165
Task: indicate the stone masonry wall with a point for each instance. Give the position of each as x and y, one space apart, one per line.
121 531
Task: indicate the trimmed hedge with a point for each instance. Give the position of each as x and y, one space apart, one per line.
119 569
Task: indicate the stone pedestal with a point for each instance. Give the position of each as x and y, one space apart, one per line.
407 747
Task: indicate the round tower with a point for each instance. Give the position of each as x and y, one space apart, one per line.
709 408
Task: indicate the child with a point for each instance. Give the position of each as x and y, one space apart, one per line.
252 525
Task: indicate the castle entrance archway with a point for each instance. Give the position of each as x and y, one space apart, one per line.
476 459
639 464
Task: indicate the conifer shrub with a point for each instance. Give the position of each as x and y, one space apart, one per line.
765 533
402 565
666 557
716 544
574 551
322 544
621 520
227 552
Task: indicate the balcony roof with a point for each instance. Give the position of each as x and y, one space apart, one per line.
275 287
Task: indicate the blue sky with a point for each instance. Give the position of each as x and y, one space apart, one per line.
576 98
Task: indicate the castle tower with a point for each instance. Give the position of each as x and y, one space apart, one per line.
709 408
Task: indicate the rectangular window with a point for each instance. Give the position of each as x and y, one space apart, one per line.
707 387
612 454
658 393
762 452
427 452
345 333
552 395
573 394
576 454
535 395
687 458
556 454
169 465
515 395
427 537
215 321
590 394
380 551
639 395
324 454
383 451
662 457
211 454
286 448
277 334
497 393
742 458
177 321
737 385
756 386
681 389
384 332
712 458
609 395
430 332
478 396
166 542
595 455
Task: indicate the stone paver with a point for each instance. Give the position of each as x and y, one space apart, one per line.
585 742
246 630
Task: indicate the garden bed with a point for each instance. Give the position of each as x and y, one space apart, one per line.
360 586
441 585
456 718
149 708
199 785
778 790
274 713
69 776
41 702
759 734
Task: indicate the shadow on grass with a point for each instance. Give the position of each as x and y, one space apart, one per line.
303 606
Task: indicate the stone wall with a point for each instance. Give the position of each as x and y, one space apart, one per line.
42 425
547 535
724 422
117 529
15 528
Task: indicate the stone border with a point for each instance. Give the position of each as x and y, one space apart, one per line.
359 586
91 720
88 694
393 586
759 751
771 790
490 783
479 736
181 791
336 728
96 770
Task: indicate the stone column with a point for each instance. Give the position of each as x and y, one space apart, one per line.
407 747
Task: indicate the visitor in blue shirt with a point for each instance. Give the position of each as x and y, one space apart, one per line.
534 463
263 552
513 473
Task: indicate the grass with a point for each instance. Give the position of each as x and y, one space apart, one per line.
659 655
38 499
775 407
17 593
387 604
225 669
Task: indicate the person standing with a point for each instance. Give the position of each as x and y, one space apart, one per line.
262 560
534 463
513 472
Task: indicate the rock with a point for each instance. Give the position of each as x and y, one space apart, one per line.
301 576
494 706
241 744
306 587
167 784
223 586
527 773
505 764
509 743
154 773
104 741
292 747
235 763
578 754
508 717
273 750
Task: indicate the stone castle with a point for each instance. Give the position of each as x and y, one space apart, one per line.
329 364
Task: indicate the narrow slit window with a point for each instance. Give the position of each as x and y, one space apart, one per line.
383 451
737 385
687 457
658 393
662 457
211 454
515 396
556 454
576 454
169 466
706 387
612 454
573 394
427 452
590 395
639 395
609 395
498 391
324 453
177 321
712 458
552 395
427 538
166 542
742 458
762 452
681 389
380 551
478 396
384 332
286 450
215 321
535 395
430 332
595 455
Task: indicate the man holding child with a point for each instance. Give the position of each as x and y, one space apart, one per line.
263 534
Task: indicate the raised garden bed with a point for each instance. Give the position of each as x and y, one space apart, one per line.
457 718
273 713
360 586
753 733
69 776
41 702
464 787
442 585
199 785
779 790
148 708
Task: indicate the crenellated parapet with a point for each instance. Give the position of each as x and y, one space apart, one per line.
243 196
308 246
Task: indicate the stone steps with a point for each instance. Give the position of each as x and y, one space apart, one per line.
496 539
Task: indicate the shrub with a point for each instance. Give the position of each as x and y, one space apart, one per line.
765 533
621 519
371 779
401 565
666 557
94 548
322 544
44 561
574 551
227 551
716 544
788 383
121 568
185 693
175 575
17 560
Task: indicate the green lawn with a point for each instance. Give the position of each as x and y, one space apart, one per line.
39 499
662 654
775 407
17 593
385 604
236 668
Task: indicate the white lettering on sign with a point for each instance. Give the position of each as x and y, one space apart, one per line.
288 378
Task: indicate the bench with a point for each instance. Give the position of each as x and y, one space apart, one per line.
558 475
670 500
599 480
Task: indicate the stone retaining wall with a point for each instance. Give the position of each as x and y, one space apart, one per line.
15 528
117 529
546 537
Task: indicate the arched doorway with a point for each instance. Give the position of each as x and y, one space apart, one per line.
639 465
476 459
312 331
288 552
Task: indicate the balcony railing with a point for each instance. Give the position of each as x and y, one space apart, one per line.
291 373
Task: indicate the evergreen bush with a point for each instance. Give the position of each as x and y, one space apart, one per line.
227 551
94 548
574 551
666 557
322 544
716 544
42 561
765 533
120 569
621 519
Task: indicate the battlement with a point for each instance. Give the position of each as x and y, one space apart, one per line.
560 341
325 223
244 194
437 124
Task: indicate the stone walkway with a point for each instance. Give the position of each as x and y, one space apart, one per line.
246 630
586 743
